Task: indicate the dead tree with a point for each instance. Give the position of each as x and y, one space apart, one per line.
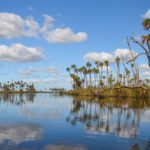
146 50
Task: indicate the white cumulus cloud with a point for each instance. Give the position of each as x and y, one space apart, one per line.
20 53
124 54
14 26
147 14
63 36
101 57
144 71
144 67
32 26
61 82
11 25
17 133
48 23
145 75
51 70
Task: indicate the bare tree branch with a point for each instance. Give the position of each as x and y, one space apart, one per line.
137 56
135 41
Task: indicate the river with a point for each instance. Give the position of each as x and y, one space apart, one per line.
53 122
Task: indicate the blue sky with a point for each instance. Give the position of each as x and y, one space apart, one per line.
72 29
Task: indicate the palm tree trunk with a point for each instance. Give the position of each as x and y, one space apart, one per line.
107 76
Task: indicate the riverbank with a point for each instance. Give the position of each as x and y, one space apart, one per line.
22 92
124 92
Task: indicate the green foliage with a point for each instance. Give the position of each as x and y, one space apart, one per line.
18 86
146 24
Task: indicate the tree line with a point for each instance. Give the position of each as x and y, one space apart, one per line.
101 76
17 86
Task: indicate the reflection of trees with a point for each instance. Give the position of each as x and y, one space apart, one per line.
16 99
141 146
120 117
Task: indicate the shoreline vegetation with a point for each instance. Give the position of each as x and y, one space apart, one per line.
122 92
114 78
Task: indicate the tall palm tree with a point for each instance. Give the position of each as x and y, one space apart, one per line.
80 70
90 76
68 69
85 72
120 76
118 68
146 39
95 71
146 24
101 66
107 65
76 71
89 65
97 65
104 77
128 76
1 86
73 66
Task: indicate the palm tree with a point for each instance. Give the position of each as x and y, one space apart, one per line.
107 65
146 39
77 82
76 71
118 69
73 66
120 76
104 77
1 86
80 71
101 66
85 75
88 64
97 65
90 78
95 71
128 76
146 24
68 69
101 83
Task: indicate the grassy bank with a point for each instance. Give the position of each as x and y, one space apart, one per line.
21 92
123 92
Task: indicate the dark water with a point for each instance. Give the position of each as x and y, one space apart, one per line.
52 122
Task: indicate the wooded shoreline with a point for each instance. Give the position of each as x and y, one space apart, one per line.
122 92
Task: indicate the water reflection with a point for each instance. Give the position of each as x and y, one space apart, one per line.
48 147
44 120
65 147
16 99
120 117
17 133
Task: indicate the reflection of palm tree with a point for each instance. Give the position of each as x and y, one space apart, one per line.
98 116
18 100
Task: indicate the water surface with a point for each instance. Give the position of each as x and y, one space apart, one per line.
53 122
